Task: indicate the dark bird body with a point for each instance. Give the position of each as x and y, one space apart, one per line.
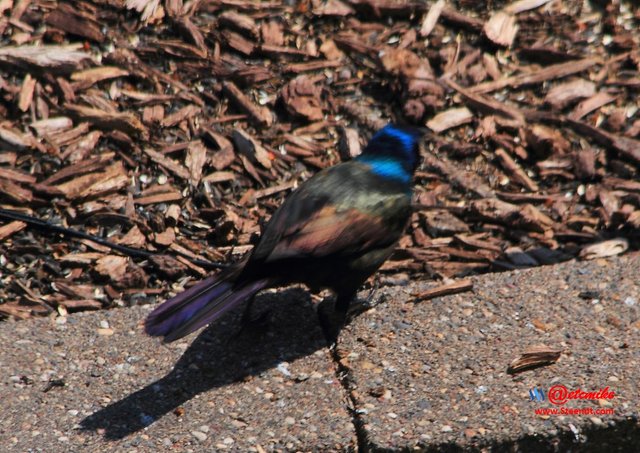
333 232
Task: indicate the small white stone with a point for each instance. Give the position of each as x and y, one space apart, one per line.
199 435
283 367
446 429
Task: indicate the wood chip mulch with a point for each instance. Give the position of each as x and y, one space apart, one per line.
178 128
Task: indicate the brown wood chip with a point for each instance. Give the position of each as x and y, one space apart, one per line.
501 28
450 118
303 97
125 122
545 74
456 287
63 59
516 172
70 19
527 217
11 228
26 93
431 18
521 6
604 249
158 194
589 105
251 147
486 104
534 357
195 160
112 266
564 94
260 115
14 192
170 164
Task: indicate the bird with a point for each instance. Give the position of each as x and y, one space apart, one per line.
333 232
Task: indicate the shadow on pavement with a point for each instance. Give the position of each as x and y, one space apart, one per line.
219 356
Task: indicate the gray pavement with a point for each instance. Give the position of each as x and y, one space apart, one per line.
404 376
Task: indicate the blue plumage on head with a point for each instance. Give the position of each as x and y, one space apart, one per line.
393 152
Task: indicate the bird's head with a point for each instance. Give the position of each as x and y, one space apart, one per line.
393 152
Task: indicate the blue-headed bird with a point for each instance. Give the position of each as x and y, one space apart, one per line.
333 232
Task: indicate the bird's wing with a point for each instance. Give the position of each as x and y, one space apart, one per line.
316 221
329 232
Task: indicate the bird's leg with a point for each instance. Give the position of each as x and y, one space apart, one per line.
342 305
333 322
247 323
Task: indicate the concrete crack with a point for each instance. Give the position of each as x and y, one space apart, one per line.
343 373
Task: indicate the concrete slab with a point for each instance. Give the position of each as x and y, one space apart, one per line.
434 375
430 376
97 383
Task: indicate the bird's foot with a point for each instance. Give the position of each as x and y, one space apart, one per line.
359 306
374 289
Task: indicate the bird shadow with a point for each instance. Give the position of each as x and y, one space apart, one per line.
222 354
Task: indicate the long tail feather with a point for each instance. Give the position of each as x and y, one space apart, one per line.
198 306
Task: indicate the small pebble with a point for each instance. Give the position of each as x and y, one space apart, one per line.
345 74
283 368
199 435
446 429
